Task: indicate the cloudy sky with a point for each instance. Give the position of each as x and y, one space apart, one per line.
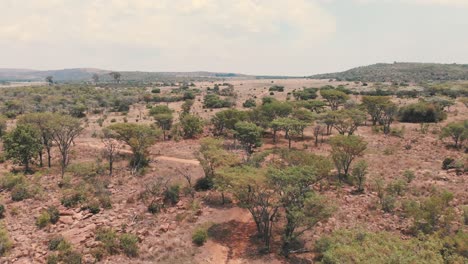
281 37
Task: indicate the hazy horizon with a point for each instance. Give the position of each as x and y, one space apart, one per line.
257 37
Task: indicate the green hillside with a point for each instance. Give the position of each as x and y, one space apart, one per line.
401 72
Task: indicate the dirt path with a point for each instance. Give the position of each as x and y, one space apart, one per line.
186 161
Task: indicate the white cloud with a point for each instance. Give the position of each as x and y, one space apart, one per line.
453 3
178 30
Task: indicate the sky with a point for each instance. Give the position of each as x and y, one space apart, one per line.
262 37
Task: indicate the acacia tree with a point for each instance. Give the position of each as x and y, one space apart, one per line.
116 76
64 130
319 129
250 188
344 150
249 134
375 106
213 156
192 125
22 144
227 119
334 98
162 114
458 131
43 123
302 207
289 126
139 138
110 147
95 78
346 121
390 112
359 173
49 80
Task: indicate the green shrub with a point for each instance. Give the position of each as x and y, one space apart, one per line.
156 90
422 112
249 103
43 219
2 211
108 238
71 257
276 88
129 244
465 214
53 259
397 187
171 195
448 163
10 180
355 246
93 208
154 208
73 199
55 242
5 243
388 203
86 169
200 236
54 214
204 184
409 175
19 193
431 214
214 101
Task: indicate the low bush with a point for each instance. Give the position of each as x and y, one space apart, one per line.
357 246
108 238
129 244
57 242
200 236
5 242
171 195
249 103
20 192
43 219
204 184
421 112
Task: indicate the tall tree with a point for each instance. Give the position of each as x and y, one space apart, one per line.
110 147
344 150
43 122
49 80
302 207
375 107
334 98
116 76
249 134
95 78
22 145
346 121
64 130
162 114
192 125
390 112
458 131
139 138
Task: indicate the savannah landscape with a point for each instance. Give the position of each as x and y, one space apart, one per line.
234 170
233 132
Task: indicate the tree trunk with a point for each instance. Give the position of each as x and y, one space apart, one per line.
48 157
40 159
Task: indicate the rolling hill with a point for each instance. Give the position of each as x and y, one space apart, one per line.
85 74
401 72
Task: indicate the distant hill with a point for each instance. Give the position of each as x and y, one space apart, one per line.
401 72
85 74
